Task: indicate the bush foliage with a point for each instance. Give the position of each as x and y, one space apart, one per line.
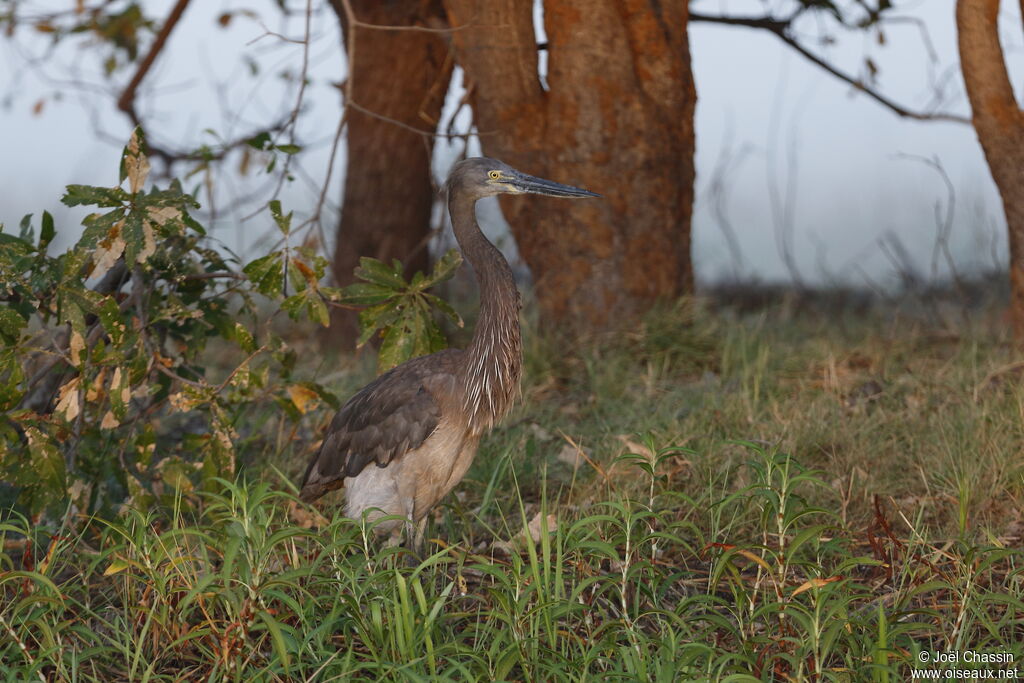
105 395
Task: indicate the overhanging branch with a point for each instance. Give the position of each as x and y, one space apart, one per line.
780 28
126 102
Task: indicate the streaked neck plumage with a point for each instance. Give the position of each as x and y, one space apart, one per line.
494 359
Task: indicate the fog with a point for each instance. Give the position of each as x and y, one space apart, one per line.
786 154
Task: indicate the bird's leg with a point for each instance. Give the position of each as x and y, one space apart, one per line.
417 540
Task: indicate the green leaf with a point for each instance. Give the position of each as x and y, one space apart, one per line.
284 222
11 324
260 141
177 474
244 338
99 227
13 243
267 273
372 270
445 308
193 223
11 377
277 639
365 294
296 280
422 337
318 309
47 233
110 317
120 392
78 195
134 234
47 464
435 339
25 231
289 149
396 348
444 269
294 304
377 317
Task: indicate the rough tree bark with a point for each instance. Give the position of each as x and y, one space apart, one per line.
617 118
404 76
999 123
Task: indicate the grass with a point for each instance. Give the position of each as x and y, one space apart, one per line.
714 496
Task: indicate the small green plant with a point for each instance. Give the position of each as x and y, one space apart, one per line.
401 312
105 388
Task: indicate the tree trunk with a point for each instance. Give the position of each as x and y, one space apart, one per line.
999 123
617 119
404 76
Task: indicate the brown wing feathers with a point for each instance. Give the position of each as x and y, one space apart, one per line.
390 416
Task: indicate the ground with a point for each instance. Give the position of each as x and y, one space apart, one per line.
777 494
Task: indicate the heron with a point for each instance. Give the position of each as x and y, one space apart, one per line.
419 425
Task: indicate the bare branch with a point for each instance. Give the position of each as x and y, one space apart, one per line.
780 28
126 102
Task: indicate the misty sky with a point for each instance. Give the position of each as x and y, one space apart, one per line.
797 153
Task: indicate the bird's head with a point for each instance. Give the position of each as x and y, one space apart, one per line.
483 177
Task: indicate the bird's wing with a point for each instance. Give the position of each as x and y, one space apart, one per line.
388 417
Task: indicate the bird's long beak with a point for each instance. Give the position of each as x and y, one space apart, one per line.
534 185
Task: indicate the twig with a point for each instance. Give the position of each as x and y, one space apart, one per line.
126 102
175 376
411 27
322 198
943 223
214 276
404 126
780 28
293 117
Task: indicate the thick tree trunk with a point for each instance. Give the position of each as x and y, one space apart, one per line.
617 119
999 123
401 75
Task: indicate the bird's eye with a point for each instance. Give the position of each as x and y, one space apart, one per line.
494 175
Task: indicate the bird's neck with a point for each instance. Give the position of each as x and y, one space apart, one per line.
490 376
